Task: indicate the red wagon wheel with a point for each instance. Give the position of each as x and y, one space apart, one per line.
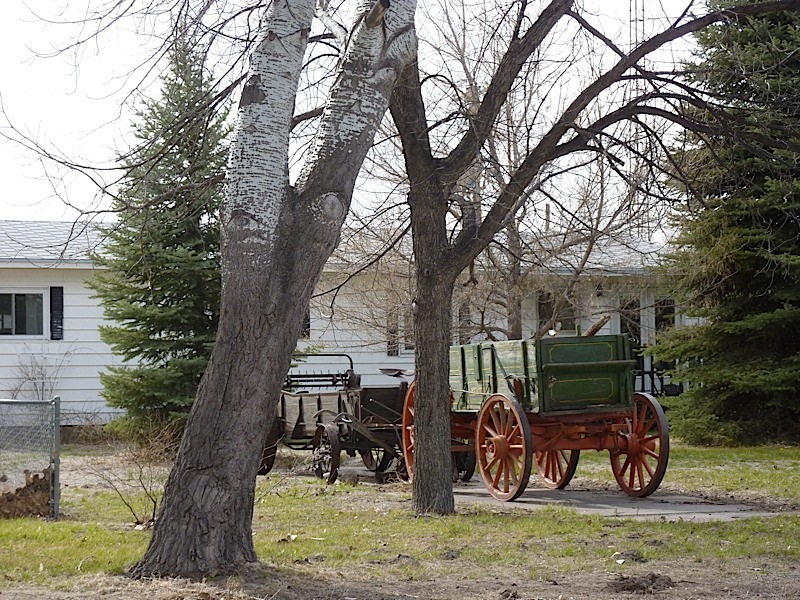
327 452
640 467
407 437
556 467
504 448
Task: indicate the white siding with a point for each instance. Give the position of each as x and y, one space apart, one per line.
35 367
355 323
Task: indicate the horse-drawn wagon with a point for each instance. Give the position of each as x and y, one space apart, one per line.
329 412
522 403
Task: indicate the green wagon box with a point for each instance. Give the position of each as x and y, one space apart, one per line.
549 375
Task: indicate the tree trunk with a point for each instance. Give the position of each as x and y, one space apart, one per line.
514 312
433 477
204 526
436 273
275 241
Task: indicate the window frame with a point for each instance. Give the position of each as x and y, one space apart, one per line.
52 306
569 311
400 333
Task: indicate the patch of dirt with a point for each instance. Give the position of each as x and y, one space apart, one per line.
647 584
30 500
672 582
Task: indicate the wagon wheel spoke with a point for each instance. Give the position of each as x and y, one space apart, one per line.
502 417
498 473
651 422
556 468
492 463
648 467
651 453
641 460
496 427
491 431
640 473
407 437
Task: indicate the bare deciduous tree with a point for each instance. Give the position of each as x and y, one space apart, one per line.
277 235
581 101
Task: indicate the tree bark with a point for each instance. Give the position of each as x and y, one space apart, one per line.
275 241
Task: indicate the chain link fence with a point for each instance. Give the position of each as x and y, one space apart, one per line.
29 457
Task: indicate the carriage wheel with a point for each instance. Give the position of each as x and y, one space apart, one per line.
464 464
504 448
327 452
640 467
407 437
556 467
270 448
371 458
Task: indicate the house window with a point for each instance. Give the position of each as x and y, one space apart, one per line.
399 335
630 324
408 332
21 314
56 313
24 313
561 317
630 321
665 314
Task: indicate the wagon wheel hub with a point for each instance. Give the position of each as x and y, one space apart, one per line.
632 443
498 447
635 445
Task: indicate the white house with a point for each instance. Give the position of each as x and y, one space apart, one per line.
49 339
364 308
50 345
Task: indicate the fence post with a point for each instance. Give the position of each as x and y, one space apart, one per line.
55 458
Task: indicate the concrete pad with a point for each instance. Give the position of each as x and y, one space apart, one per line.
658 506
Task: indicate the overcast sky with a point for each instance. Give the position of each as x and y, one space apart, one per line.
69 110
76 111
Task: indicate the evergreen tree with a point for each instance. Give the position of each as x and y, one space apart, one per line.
738 258
161 286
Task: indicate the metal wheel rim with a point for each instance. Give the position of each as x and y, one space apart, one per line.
270 449
371 458
327 451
